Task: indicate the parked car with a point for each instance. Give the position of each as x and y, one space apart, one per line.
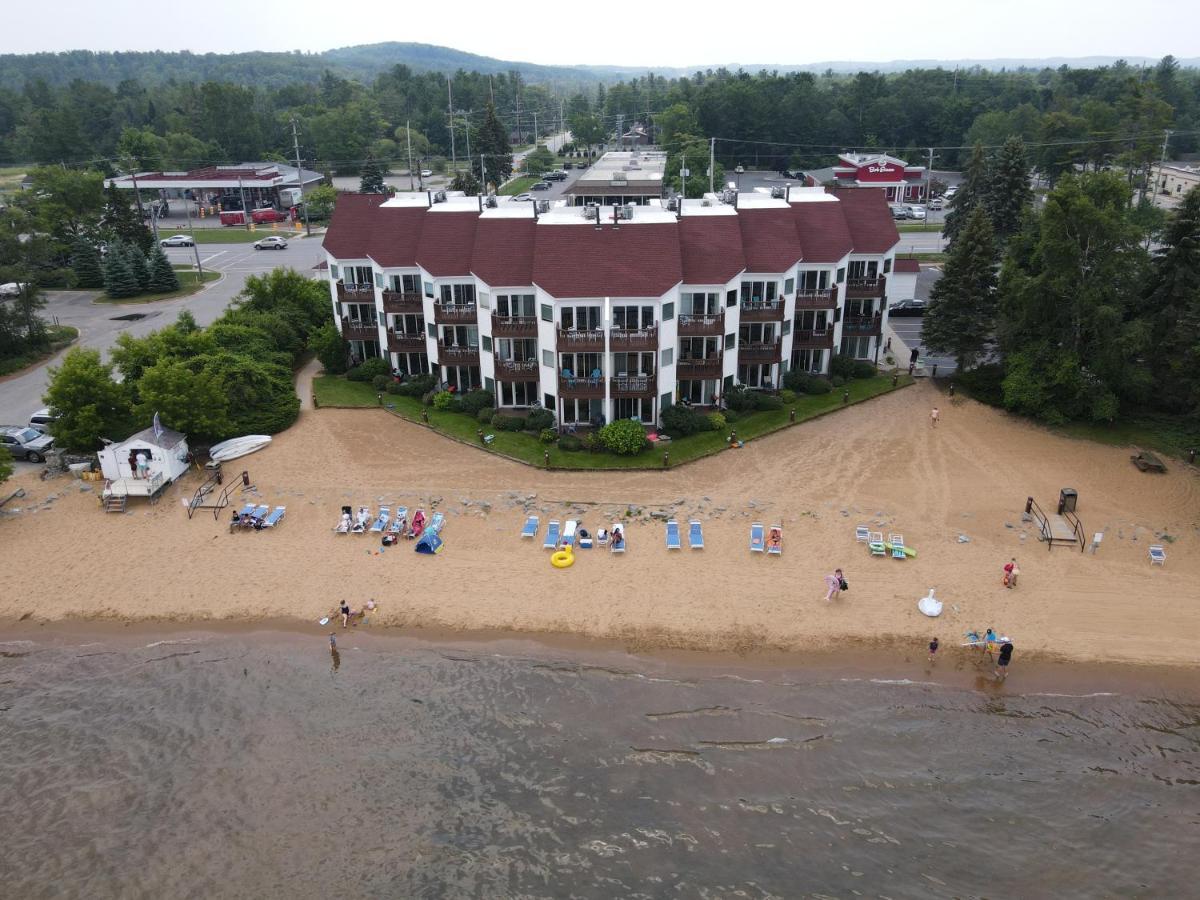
915 212
11 289
524 196
900 212
937 203
42 419
177 240
555 176
274 242
24 442
907 309
568 165
267 214
427 173
540 186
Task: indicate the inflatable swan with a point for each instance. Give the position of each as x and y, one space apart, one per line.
930 605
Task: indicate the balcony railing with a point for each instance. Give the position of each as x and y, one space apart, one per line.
862 325
813 337
457 355
865 287
589 340
402 342
699 367
396 302
590 388
356 292
762 310
815 299
760 353
517 370
455 313
514 326
702 326
358 330
634 386
622 339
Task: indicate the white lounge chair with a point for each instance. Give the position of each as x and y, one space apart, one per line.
361 521
531 527
862 534
568 535
775 540
696 535
551 541
381 521
875 543
673 542
617 538
897 543
399 521
1158 556
275 517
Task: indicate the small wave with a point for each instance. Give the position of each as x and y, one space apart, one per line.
1096 694
165 643
16 643
906 681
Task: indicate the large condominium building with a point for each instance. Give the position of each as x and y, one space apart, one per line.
604 312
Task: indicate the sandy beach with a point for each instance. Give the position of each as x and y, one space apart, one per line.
879 464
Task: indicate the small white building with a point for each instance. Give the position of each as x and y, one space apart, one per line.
166 455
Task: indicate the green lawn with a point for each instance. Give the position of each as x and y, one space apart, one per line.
60 336
924 257
1163 434
917 226
518 185
234 234
188 285
332 390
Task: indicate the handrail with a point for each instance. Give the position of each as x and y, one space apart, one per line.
1047 533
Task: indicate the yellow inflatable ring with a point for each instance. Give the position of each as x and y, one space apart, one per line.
562 559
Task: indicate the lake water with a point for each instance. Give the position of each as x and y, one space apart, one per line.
258 764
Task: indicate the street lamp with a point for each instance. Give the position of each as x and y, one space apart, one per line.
739 170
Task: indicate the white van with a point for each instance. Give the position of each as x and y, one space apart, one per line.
41 420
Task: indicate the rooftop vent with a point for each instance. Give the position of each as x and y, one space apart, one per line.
625 212
729 197
591 211
439 197
777 193
673 204
492 202
543 206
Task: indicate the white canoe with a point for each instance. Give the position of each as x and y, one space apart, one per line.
236 447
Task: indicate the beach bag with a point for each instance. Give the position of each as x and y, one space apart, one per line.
843 585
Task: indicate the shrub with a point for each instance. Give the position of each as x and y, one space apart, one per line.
368 370
768 401
837 381
473 401
591 442
427 398
794 379
539 419
842 366
382 382
418 387
624 437
731 416
548 436
681 421
816 385
485 415
864 369
508 423
570 442
787 396
740 398
717 422
443 400
394 387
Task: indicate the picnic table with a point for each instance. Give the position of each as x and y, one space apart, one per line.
1148 462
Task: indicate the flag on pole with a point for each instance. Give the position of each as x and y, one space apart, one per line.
158 429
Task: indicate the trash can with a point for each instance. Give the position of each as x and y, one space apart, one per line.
1067 498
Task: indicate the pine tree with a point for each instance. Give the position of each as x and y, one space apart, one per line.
371 177
1009 193
86 264
491 142
972 192
961 316
163 279
136 261
1173 302
122 221
119 278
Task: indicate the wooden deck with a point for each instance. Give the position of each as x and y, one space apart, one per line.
1061 529
135 487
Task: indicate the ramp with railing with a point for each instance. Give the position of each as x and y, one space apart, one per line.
208 491
1059 528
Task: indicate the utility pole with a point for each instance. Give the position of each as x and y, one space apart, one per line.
299 179
467 129
483 174
712 164
1162 160
408 133
683 174
195 247
137 194
535 128
929 178
245 212
450 109
518 80
560 117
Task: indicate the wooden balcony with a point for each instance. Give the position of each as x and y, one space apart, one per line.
514 326
645 386
580 341
813 338
403 304
760 353
456 355
402 342
762 311
702 326
356 330
703 368
816 299
865 287
455 314
516 370
620 339
862 325
356 293
581 388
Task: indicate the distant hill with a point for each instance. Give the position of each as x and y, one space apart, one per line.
366 61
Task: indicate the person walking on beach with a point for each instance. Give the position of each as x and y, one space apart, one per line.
933 649
834 584
1011 571
933 417
1006 652
345 613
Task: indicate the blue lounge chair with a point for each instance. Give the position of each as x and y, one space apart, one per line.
673 535
247 510
617 538
381 521
400 521
437 523
260 512
758 538
775 540
696 535
275 517
1158 556
531 527
897 543
551 541
875 544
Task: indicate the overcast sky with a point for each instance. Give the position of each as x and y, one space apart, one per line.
649 32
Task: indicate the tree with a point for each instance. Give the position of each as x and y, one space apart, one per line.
675 120
119 279
186 400
163 279
330 348
301 301
491 143
694 154
66 201
122 221
140 149
1172 300
972 192
6 468
320 201
624 437
409 139
588 129
371 177
136 260
88 403
86 264
259 394
466 182
1009 193
539 160
961 316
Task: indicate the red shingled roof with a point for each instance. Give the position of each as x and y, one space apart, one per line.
632 261
355 219
711 249
395 233
823 232
909 266
447 239
211 173
769 239
503 255
872 228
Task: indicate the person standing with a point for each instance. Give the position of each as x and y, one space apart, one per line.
934 415
1006 652
345 610
1011 571
142 463
933 649
834 585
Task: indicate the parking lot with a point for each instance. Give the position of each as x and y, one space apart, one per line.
906 331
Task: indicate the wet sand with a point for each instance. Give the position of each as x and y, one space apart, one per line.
879 464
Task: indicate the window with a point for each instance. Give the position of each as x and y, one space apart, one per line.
333 271
582 318
547 312
489 384
631 318
410 284
518 393
754 292
887 266
664 402
699 304
814 281
731 298
730 339
429 289
483 301
548 401
486 343
668 312
789 285
841 279
378 279
787 328
515 305
668 356
548 358
432 330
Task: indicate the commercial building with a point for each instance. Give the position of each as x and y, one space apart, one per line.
1174 180
623 177
262 184
603 312
900 182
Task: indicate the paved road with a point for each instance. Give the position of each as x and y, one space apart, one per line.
907 332
99 326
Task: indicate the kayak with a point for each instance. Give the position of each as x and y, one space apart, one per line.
908 551
238 447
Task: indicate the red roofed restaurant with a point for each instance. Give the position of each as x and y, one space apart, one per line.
604 312
901 182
